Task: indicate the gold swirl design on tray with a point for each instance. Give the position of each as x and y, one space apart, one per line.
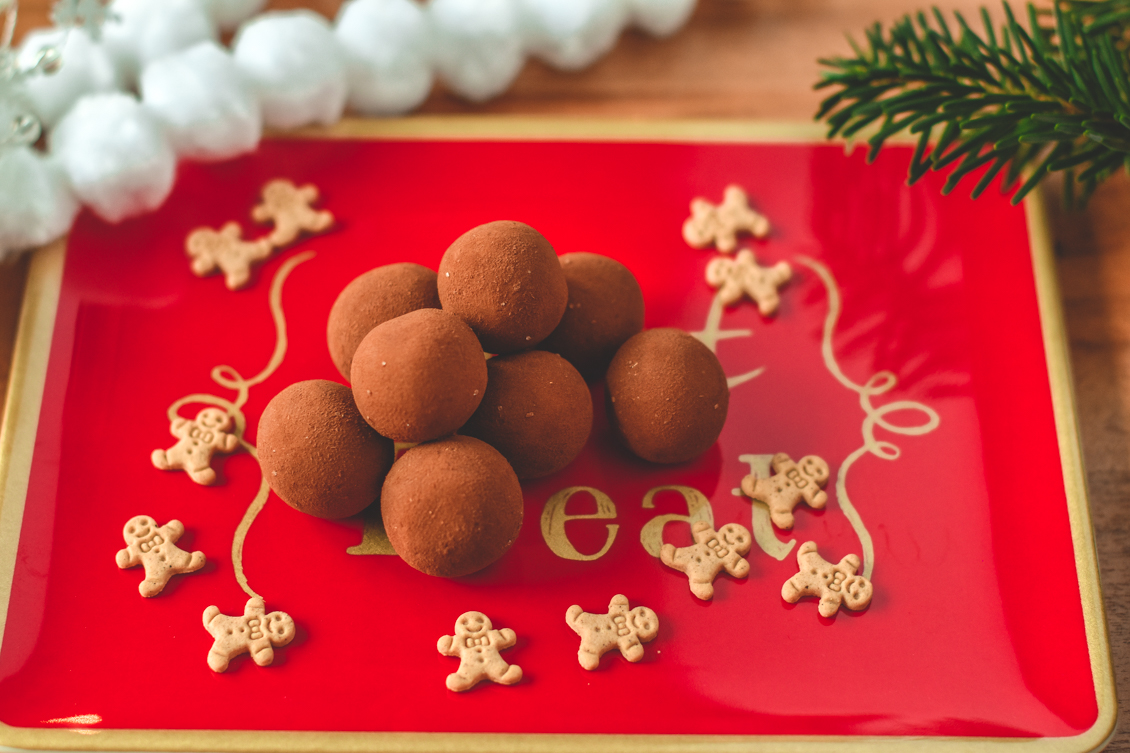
874 416
229 378
712 332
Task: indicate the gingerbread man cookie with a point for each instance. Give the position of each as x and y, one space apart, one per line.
227 251
477 646
833 584
621 628
712 552
743 276
197 441
288 207
721 224
156 549
257 632
790 483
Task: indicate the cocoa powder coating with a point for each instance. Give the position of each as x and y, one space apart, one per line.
318 454
373 298
504 280
537 412
605 308
451 507
419 376
666 396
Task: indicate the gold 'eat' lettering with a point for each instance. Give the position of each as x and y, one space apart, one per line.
553 519
374 540
698 508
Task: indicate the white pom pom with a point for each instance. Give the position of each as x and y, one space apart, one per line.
36 203
479 49
229 14
388 45
116 155
145 30
572 35
295 66
208 110
660 18
86 69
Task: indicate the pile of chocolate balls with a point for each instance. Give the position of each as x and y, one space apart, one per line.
412 344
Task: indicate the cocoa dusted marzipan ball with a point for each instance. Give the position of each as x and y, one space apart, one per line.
504 280
318 454
605 308
419 376
373 298
666 396
537 412
451 507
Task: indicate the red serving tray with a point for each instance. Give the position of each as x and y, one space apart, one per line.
986 621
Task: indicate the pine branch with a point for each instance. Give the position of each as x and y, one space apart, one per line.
1054 96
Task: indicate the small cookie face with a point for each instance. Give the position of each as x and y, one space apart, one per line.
477 644
197 441
256 632
155 547
790 483
720 225
743 276
712 552
834 585
622 628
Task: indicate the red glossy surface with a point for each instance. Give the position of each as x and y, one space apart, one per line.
976 626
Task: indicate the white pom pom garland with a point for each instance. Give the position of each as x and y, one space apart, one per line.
296 67
116 155
86 68
36 202
479 45
145 30
660 18
208 110
389 48
572 35
288 69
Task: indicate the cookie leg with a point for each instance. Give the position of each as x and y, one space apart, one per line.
783 519
588 659
459 682
196 562
263 656
704 591
205 476
152 586
217 661
512 675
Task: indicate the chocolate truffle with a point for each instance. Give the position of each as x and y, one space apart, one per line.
503 279
605 308
373 298
419 376
667 396
318 454
537 412
451 507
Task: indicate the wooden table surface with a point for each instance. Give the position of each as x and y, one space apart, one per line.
757 59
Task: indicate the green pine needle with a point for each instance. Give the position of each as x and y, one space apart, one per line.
1054 97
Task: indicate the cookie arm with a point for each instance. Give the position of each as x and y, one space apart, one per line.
504 638
127 558
572 616
173 530
445 645
231 442
177 427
